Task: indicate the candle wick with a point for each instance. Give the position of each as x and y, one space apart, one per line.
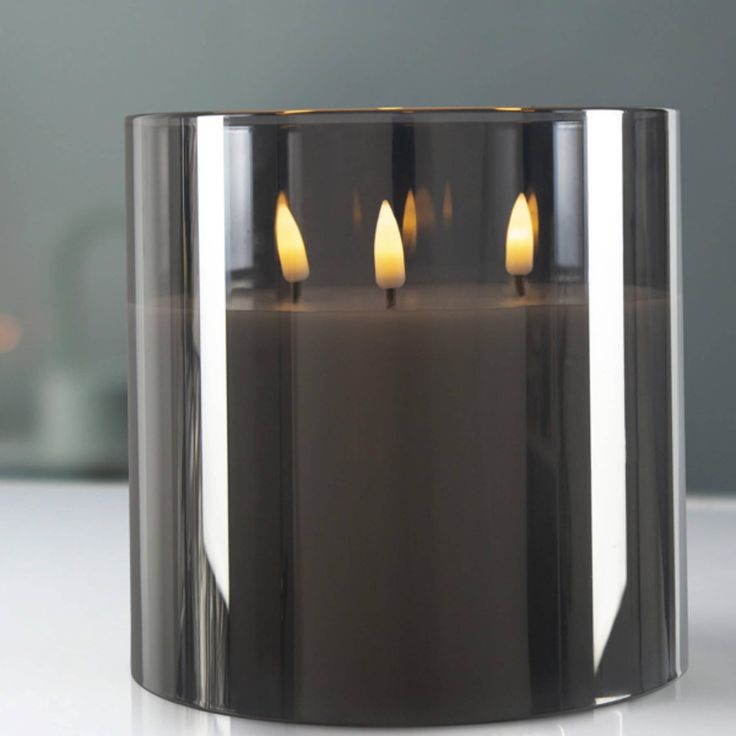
296 291
520 285
390 298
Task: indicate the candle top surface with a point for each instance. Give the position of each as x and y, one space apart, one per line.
414 298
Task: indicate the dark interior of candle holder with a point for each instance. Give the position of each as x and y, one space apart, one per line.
451 180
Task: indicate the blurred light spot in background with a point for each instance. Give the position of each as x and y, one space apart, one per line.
10 333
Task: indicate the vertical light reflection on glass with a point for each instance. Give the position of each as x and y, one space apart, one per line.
213 346
677 386
239 250
147 528
567 194
604 185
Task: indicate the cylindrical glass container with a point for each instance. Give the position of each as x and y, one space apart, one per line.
405 411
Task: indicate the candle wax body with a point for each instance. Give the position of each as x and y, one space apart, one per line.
408 474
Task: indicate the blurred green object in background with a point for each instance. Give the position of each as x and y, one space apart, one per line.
76 419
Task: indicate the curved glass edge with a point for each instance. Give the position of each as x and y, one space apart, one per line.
390 114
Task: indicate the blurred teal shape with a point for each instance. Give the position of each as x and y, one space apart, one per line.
79 418
67 287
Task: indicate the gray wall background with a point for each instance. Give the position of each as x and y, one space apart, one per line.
71 71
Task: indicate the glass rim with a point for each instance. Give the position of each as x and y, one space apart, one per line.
393 113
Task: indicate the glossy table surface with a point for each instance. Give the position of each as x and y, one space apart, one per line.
64 632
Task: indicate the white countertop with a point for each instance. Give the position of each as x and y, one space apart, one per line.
64 632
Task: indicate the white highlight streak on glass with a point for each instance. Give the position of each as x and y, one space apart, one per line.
148 663
604 185
676 386
213 346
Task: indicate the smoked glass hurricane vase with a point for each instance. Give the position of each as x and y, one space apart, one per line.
406 440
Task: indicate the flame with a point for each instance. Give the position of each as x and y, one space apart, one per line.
520 239
388 251
447 204
289 243
409 222
534 212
